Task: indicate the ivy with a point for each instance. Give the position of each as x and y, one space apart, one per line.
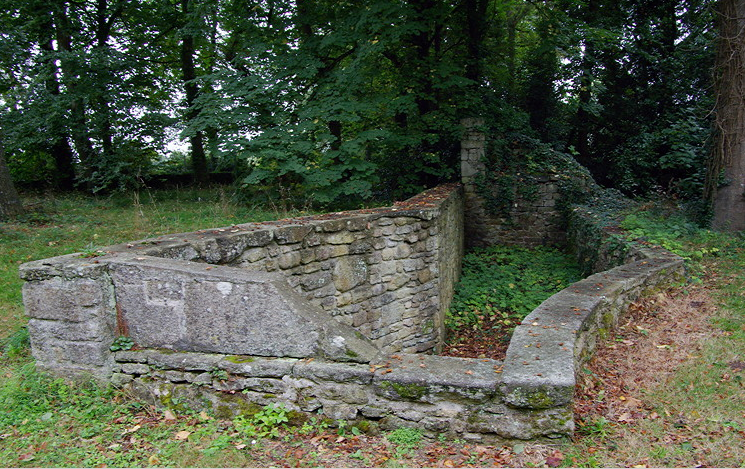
508 282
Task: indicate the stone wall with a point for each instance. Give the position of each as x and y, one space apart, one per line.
531 221
384 274
328 314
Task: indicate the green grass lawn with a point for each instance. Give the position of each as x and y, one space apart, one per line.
694 416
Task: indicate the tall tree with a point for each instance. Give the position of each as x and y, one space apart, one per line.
10 203
728 157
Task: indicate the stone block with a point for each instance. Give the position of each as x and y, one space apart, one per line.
342 237
336 372
257 367
289 260
539 368
224 309
349 272
292 234
73 300
315 280
62 353
135 368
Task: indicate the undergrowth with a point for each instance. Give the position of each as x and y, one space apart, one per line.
505 283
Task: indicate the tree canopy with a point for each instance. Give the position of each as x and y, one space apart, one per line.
327 101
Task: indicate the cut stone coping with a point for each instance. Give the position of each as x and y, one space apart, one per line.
548 347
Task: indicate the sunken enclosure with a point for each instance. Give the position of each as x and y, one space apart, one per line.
339 314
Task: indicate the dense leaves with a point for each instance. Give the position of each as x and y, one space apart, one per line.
322 101
508 282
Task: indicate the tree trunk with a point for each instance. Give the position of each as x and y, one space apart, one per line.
728 155
198 157
10 203
78 121
64 178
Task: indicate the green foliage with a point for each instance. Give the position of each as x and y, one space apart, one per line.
673 231
507 283
18 344
264 424
405 437
122 343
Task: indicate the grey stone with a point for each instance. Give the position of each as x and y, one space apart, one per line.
257 367
539 368
349 272
73 299
419 377
292 234
91 330
119 380
185 306
135 368
336 372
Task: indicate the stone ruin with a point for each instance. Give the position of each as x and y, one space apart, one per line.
339 314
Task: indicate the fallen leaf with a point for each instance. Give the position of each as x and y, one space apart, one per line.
182 435
131 430
240 446
153 460
168 415
203 415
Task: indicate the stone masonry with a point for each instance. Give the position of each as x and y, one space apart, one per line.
382 277
534 221
331 315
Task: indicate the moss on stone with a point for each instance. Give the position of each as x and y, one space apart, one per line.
239 358
352 354
296 418
228 404
411 391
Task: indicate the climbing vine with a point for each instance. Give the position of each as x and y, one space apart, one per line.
515 166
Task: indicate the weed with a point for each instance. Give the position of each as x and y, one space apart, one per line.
598 428
265 423
17 344
505 283
122 343
91 250
313 426
405 436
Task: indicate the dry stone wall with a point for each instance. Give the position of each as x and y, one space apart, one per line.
381 277
530 221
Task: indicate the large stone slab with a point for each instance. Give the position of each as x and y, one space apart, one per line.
204 308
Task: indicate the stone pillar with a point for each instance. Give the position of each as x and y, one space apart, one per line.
472 154
472 150
72 316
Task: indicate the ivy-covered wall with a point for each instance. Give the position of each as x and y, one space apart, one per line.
516 195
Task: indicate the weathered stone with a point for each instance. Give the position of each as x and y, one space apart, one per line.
349 272
181 306
257 367
75 299
342 237
336 372
289 260
119 380
135 368
292 234
91 330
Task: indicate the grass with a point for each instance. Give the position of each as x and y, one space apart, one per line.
690 414
57 225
